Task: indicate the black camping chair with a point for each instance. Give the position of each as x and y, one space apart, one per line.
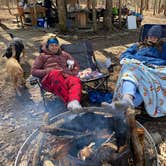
82 51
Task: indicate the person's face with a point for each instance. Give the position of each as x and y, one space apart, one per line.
152 39
53 47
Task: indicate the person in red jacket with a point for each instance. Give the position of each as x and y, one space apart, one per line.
58 71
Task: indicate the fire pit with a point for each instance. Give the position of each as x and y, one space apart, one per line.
83 139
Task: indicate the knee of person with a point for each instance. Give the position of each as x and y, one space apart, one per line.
75 79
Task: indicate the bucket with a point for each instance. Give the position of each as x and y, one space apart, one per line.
40 22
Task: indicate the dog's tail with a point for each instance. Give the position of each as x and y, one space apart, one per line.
11 35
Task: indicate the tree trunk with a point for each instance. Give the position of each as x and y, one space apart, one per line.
159 7
146 4
165 8
120 13
107 20
154 7
8 6
141 7
89 4
94 3
62 15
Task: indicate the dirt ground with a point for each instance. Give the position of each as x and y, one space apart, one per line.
19 116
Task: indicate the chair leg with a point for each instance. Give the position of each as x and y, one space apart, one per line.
43 97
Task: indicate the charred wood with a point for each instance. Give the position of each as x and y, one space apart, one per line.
136 145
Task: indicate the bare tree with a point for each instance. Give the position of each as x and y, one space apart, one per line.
88 4
159 7
8 6
94 3
146 4
62 15
107 21
141 6
154 7
120 13
165 8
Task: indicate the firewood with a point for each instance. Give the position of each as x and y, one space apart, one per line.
61 150
53 129
141 136
105 154
39 143
86 152
137 148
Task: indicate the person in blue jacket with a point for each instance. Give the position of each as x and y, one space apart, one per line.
152 53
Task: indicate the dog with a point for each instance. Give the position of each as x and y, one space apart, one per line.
16 74
19 48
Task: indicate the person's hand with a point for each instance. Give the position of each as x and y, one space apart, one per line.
48 70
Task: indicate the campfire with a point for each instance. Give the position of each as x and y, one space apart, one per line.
84 139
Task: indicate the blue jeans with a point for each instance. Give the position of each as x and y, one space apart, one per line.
129 87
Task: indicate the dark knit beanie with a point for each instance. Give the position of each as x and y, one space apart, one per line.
155 31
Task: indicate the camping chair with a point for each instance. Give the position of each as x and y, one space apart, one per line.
83 52
142 36
146 27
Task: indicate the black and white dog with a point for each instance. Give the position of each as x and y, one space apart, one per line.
18 46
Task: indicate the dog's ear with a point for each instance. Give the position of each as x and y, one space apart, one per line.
8 52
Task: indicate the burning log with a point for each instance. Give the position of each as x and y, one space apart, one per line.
61 150
120 131
107 154
86 152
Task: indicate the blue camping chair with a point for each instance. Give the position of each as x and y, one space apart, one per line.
146 27
142 36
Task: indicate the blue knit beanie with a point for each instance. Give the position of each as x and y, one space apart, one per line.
52 41
155 31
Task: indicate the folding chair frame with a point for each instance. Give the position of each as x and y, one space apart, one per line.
101 82
146 27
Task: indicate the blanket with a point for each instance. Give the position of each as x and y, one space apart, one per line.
150 81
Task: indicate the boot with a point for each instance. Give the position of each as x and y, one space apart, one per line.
74 105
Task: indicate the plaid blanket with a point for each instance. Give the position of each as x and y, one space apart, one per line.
151 83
